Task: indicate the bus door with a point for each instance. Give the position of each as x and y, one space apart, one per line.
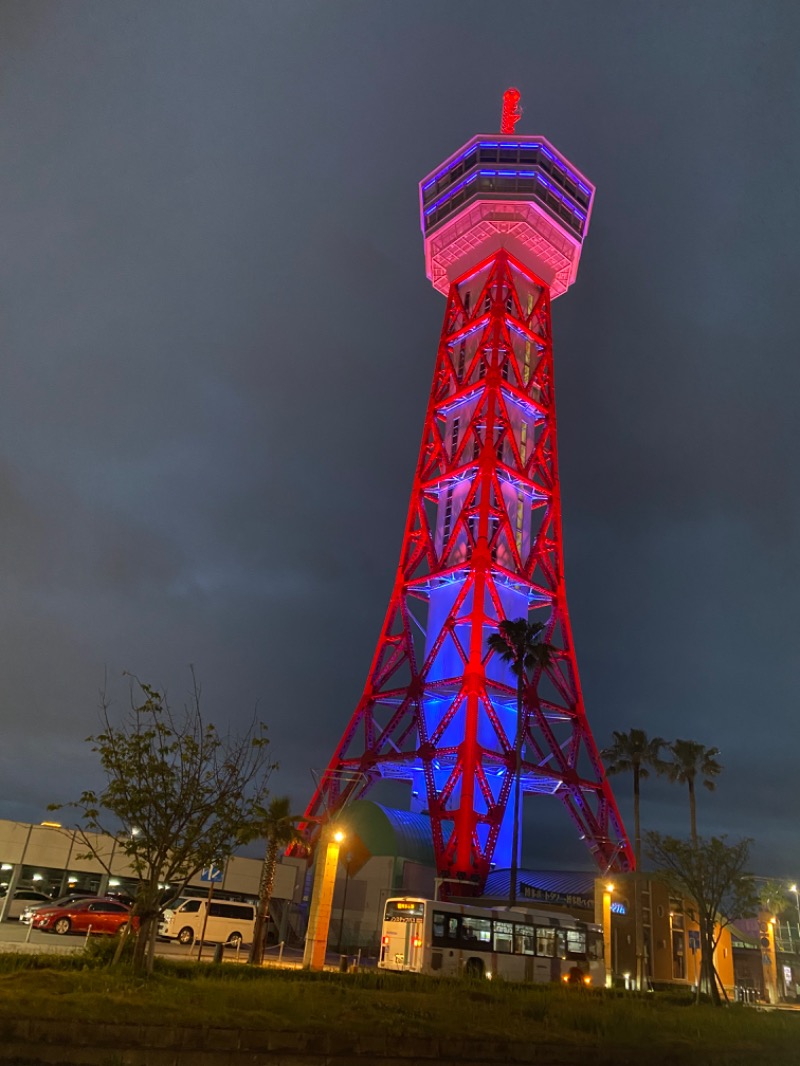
402 945
413 945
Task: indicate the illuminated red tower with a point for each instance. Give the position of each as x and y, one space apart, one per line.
503 221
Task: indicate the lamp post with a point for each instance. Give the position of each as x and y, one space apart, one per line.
793 888
347 860
319 918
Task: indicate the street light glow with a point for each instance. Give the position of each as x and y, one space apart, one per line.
338 836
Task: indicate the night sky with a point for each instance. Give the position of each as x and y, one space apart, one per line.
217 342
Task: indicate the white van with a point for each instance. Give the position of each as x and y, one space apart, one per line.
228 923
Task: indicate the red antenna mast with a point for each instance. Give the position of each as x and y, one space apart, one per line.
512 112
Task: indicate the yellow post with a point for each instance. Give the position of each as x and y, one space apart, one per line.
602 916
769 961
607 958
319 918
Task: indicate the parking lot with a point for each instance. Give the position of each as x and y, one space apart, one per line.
14 936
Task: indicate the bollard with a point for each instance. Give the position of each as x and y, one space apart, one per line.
342 964
218 950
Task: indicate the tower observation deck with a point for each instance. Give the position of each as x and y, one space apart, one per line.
509 192
503 221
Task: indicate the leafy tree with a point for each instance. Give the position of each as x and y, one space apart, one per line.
636 753
277 826
520 644
691 760
177 794
712 873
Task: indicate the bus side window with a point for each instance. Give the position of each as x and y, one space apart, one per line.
576 943
438 927
503 936
476 931
445 929
523 940
545 942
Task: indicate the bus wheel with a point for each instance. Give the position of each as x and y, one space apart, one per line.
473 968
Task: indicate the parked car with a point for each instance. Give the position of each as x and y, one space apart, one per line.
227 922
62 901
95 915
22 898
121 896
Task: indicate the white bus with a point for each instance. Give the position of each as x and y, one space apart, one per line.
424 936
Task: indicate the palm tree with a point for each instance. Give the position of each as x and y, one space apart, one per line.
634 752
772 898
691 760
277 826
519 643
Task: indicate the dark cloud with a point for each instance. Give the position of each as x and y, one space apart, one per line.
217 345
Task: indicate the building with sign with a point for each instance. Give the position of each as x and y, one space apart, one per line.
672 937
47 858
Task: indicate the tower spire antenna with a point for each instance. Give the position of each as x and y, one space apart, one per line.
512 112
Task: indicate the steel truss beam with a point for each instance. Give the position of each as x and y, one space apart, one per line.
482 542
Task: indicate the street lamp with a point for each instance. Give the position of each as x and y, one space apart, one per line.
793 888
348 858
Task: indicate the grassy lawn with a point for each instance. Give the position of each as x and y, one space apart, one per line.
662 1027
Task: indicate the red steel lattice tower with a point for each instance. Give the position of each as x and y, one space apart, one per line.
503 221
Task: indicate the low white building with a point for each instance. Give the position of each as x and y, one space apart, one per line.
46 858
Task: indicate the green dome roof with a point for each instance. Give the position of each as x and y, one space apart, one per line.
386 831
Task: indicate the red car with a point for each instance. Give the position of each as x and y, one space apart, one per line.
99 915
